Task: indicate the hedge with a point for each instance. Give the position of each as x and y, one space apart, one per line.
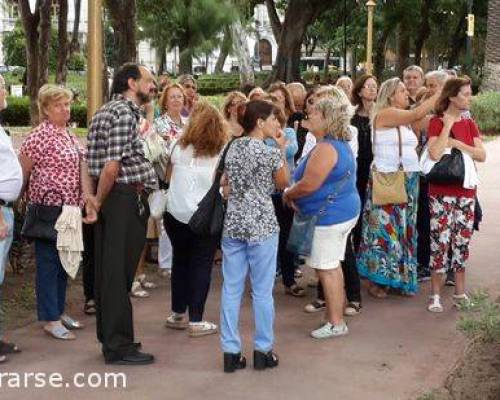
18 112
486 111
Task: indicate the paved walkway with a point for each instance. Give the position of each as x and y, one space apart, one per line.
396 349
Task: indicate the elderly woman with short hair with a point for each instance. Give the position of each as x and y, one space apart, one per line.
325 186
54 164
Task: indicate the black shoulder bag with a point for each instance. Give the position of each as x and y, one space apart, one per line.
40 219
449 169
208 219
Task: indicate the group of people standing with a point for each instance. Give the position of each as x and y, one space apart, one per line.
290 164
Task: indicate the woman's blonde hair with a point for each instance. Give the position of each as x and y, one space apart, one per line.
164 96
229 100
50 93
206 131
386 91
337 111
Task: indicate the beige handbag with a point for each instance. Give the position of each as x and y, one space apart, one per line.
389 187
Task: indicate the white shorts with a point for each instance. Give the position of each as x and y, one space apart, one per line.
329 244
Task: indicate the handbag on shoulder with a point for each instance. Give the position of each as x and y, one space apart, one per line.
40 219
208 219
389 187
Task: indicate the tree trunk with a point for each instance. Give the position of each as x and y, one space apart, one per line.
274 18
326 62
458 39
75 44
123 21
491 79
224 51
299 15
37 30
185 60
379 62
424 30
162 55
403 39
62 38
240 48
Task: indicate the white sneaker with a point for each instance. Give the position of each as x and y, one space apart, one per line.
202 328
329 330
435 304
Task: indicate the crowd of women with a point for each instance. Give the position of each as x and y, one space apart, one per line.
299 170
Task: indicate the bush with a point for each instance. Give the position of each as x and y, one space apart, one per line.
18 112
76 62
486 111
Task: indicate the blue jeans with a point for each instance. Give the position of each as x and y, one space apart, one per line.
8 216
259 258
51 281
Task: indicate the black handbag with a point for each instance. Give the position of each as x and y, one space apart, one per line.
450 169
40 219
208 219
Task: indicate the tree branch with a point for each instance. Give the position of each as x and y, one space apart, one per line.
274 18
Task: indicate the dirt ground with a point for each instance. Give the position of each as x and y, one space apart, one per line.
395 350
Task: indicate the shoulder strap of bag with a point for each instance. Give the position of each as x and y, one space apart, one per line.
222 161
400 148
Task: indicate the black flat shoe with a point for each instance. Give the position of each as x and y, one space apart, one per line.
265 360
233 361
135 358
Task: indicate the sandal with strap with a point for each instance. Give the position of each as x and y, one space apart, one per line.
295 290
59 332
462 301
435 306
90 308
352 308
138 291
8 348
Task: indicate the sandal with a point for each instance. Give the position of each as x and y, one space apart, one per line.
70 323
90 308
138 291
59 332
462 301
8 348
352 308
377 292
146 284
295 290
435 306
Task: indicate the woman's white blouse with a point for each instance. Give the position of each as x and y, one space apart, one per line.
386 150
191 178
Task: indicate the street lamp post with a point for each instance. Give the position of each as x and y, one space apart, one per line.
470 35
370 4
94 73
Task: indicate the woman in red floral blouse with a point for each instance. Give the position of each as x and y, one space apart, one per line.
55 170
451 205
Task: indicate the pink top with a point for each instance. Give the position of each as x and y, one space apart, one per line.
56 156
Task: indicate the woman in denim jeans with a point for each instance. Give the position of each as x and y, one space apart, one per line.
253 171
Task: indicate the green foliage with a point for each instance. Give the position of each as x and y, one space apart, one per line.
18 112
486 111
482 319
76 62
14 45
194 25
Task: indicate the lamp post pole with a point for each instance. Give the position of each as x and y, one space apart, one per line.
94 73
470 35
370 4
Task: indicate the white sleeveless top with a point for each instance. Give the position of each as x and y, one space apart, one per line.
191 178
386 150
